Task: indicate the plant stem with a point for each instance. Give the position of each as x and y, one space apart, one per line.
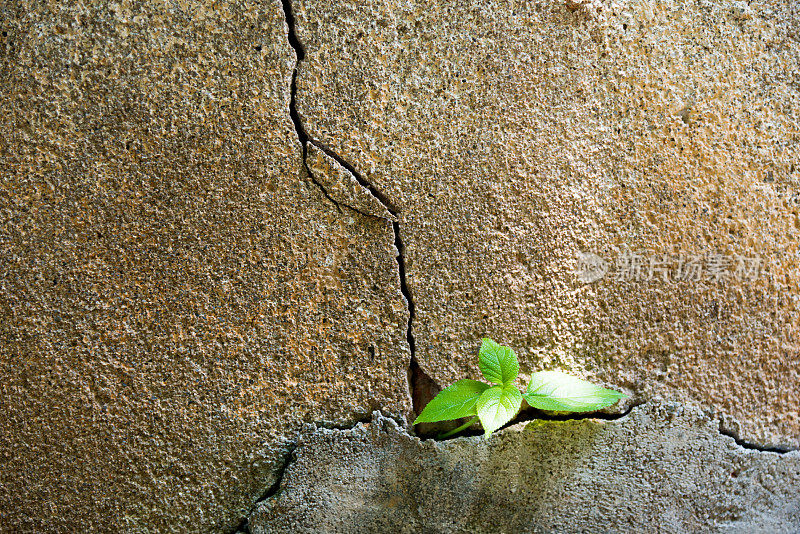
459 429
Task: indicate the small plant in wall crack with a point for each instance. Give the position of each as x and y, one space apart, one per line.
498 402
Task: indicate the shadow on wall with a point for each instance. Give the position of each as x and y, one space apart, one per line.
477 483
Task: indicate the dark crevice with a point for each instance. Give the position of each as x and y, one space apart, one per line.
421 387
299 130
288 459
417 378
529 414
300 54
295 115
751 446
420 384
290 456
294 42
322 187
244 526
361 419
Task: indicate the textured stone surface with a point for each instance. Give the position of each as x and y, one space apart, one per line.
175 296
512 135
664 467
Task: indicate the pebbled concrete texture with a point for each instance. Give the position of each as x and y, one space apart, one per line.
513 135
664 467
176 296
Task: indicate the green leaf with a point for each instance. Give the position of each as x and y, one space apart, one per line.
454 402
497 406
557 391
498 364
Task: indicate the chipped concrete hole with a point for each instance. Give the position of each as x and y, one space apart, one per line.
183 293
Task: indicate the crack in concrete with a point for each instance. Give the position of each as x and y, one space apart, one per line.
243 526
416 376
778 449
300 131
366 184
302 136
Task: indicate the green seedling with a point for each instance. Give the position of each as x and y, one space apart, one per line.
498 402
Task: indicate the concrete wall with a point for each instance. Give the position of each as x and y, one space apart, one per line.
222 220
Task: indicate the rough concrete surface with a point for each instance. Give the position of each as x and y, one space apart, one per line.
176 296
512 135
662 468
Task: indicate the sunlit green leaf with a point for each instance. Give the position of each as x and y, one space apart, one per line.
497 406
498 364
454 402
557 391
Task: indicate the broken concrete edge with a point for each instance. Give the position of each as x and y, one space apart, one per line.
401 426
734 434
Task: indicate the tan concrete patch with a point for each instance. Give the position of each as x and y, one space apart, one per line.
176 297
